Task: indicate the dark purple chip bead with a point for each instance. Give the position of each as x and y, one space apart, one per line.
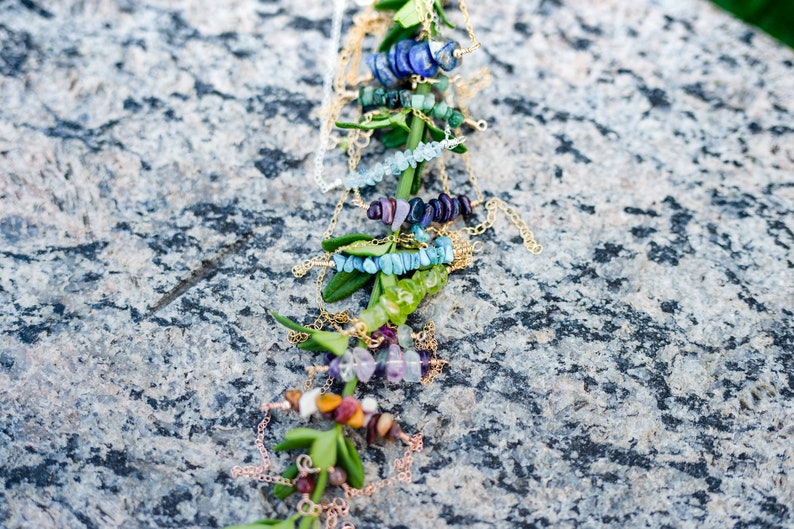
398 58
333 368
372 429
444 199
465 205
374 211
424 357
455 209
427 216
421 60
439 208
380 359
416 211
388 334
387 209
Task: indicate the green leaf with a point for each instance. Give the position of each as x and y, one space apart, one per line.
442 15
283 491
368 250
395 35
389 5
343 284
408 15
330 245
417 183
377 290
319 341
311 345
327 341
323 450
379 121
348 458
289 523
438 135
289 324
261 523
387 281
298 438
395 138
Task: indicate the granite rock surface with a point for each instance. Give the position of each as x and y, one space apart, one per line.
155 191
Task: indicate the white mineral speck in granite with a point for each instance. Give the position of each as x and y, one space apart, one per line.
638 373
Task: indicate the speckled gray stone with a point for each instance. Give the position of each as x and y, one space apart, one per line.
155 192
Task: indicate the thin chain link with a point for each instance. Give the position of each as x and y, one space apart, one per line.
492 206
402 467
475 44
259 472
475 184
426 12
465 91
442 173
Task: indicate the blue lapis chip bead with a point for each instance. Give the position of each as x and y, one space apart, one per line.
398 58
421 60
444 54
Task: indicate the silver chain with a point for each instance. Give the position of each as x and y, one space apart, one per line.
328 88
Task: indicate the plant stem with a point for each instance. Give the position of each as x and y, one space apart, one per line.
414 137
350 387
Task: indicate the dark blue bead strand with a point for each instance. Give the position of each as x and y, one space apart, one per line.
442 209
408 57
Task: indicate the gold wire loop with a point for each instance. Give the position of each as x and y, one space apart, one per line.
306 507
304 464
480 125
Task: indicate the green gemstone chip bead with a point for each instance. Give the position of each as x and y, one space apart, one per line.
396 303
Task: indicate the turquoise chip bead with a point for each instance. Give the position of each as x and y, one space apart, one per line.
397 265
386 264
369 266
424 259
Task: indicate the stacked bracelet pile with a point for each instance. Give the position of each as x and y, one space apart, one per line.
407 258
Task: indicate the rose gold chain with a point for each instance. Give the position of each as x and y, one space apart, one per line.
402 468
259 472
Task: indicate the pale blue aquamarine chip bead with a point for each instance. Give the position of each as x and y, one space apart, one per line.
347 367
404 333
413 366
395 364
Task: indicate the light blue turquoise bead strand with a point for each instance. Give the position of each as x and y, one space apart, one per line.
398 263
